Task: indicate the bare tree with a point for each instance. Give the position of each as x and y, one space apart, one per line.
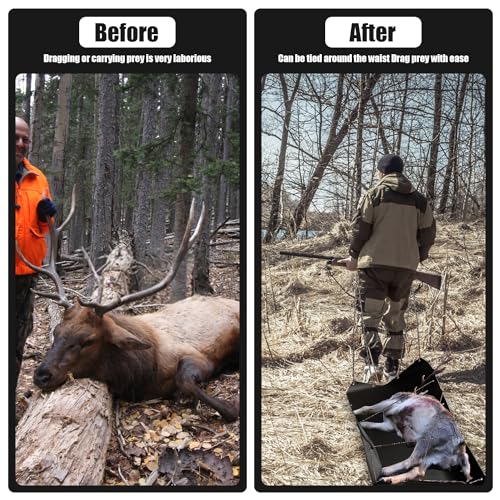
358 158
334 139
397 149
453 144
436 135
380 127
278 181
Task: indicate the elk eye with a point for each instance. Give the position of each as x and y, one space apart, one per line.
88 343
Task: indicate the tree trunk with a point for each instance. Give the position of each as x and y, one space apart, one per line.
470 161
211 110
403 112
27 99
102 205
358 157
333 142
380 126
280 174
168 121
185 171
234 202
143 179
83 161
36 124
117 170
226 155
453 145
436 135
60 135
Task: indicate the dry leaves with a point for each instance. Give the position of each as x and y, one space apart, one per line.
168 447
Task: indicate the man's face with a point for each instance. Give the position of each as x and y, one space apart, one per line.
22 140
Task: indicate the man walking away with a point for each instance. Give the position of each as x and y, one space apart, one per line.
392 231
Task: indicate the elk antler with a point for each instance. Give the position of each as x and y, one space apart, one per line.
50 270
186 244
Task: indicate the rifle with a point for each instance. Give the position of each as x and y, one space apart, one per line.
430 279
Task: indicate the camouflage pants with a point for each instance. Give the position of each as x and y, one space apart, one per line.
383 297
24 314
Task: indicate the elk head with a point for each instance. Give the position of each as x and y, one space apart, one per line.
79 343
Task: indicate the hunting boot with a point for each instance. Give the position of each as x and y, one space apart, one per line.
394 348
391 368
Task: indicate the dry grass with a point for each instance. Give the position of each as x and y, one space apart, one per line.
309 355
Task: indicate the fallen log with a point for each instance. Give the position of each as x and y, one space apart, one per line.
63 437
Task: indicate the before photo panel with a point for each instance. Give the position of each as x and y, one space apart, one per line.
127 251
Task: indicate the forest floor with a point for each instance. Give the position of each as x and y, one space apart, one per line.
156 436
310 353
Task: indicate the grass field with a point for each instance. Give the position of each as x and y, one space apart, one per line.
310 353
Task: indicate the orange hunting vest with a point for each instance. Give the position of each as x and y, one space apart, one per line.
30 232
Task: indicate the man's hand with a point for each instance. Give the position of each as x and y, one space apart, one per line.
350 263
45 208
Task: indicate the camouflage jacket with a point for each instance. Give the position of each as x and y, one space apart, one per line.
393 227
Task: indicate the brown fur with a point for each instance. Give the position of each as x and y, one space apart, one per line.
150 355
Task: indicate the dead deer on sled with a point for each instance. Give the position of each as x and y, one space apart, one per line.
149 355
422 420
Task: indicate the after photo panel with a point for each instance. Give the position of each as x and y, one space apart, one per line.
374 370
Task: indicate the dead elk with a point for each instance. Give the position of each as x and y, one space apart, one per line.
424 421
146 356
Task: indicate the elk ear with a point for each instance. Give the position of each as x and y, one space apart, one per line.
122 339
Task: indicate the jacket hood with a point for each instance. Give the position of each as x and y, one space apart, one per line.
397 182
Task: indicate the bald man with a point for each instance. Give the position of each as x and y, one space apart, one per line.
33 207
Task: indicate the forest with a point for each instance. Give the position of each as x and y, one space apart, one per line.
322 135
139 149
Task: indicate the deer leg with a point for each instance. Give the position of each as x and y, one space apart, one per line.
190 372
414 460
386 425
415 473
464 463
377 407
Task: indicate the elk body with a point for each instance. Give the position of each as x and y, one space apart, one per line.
150 355
424 421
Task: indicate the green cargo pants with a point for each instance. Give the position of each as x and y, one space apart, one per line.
383 296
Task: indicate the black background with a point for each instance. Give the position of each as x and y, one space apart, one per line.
32 33
443 31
